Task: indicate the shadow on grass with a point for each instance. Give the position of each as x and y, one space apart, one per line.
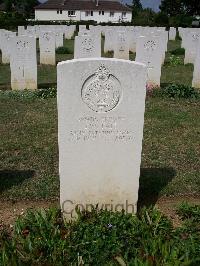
152 181
9 178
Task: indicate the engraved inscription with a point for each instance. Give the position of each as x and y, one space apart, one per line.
102 91
104 128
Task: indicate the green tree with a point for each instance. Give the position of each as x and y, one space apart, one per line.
136 7
172 7
192 7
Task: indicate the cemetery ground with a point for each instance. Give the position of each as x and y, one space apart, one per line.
29 153
170 165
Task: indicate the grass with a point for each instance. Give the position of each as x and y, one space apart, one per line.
29 139
29 143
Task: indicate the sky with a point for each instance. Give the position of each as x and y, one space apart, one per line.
154 4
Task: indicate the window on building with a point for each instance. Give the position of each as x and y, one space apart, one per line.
112 14
60 11
88 13
101 12
71 13
123 14
57 11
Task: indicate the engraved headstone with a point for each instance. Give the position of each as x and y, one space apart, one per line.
150 53
59 38
47 43
23 64
101 105
121 47
87 46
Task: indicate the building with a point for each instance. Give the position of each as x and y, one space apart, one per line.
83 10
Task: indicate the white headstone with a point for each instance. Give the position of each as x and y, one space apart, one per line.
121 47
59 39
6 45
149 52
87 46
101 104
196 73
24 64
47 43
172 34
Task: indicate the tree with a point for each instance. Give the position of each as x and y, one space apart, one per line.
172 7
136 7
192 7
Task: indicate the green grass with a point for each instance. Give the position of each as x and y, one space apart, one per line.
29 139
170 155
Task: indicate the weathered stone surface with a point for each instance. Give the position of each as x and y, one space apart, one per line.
101 104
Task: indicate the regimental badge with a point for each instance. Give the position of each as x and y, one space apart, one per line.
102 91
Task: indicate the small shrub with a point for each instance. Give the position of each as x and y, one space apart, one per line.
178 51
46 93
63 50
180 91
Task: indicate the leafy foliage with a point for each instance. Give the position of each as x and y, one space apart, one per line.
178 51
29 95
63 50
180 91
100 237
175 60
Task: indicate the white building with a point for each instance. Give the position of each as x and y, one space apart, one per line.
83 10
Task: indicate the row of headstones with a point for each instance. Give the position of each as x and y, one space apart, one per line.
149 44
191 43
20 51
150 49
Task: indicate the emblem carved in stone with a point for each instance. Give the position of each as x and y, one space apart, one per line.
102 91
87 44
150 45
21 45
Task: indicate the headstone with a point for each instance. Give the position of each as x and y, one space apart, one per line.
69 31
196 73
109 40
47 43
101 104
87 46
59 39
149 52
6 45
24 64
121 47
172 34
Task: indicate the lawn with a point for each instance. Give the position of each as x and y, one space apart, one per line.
29 150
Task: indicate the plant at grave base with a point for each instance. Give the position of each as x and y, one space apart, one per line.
180 91
63 50
178 51
46 93
150 89
175 60
41 237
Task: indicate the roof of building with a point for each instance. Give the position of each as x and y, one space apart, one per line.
83 5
